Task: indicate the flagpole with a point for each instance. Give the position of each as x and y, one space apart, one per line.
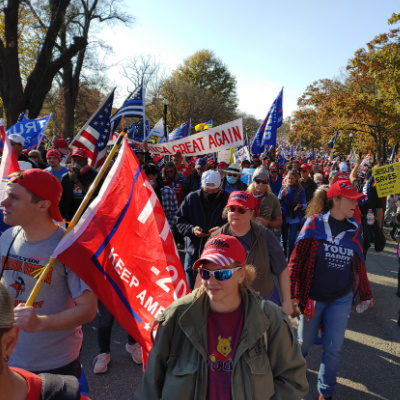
45 270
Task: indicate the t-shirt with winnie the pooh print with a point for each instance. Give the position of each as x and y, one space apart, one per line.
223 334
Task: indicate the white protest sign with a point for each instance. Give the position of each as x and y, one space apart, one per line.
224 156
241 155
212 140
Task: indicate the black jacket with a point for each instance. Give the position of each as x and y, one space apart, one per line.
191 184
70 200
196 210
309 187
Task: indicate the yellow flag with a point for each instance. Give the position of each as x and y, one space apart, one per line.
199 127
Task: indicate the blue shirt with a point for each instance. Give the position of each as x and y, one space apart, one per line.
58 174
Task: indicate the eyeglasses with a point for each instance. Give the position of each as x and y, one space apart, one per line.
233 209
261 181
219 275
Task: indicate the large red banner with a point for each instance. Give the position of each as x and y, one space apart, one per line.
123 249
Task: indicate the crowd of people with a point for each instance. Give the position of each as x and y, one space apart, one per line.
262 240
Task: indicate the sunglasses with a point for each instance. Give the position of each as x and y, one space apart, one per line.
233 209
264 182
219 275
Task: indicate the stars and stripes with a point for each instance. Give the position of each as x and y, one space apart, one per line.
207 125
133 107
95 134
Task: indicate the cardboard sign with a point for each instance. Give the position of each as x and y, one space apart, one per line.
387 179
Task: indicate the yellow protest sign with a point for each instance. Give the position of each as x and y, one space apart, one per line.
387 179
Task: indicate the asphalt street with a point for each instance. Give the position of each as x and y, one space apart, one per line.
370 362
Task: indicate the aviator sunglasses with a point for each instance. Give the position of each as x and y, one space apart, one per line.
219 275
264 182
233 209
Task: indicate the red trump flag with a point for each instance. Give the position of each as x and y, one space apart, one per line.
124 250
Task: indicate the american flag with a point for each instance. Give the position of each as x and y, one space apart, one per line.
131 108
211 158
207 125
95 134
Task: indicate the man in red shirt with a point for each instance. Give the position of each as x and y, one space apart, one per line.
177 159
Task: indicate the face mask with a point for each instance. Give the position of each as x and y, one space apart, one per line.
151 182
210 196
231 179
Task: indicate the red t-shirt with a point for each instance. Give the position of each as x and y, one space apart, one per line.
185 171
223 334
33 381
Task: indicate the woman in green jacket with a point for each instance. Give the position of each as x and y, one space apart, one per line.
222 341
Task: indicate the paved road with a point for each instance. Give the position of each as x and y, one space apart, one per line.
370 362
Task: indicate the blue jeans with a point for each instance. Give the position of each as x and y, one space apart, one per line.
105 321
333 316
188 267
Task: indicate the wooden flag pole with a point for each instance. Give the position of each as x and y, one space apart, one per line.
75 219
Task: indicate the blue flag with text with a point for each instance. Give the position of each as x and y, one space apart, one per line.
32 130
266 134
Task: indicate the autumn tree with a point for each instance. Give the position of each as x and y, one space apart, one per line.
365 107
202 88
17 93
80 18
87 102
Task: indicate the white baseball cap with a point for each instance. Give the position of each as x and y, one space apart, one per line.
14 137
211 179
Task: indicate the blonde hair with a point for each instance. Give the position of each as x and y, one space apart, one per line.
252 188
319 202
36 153
296 174
6 308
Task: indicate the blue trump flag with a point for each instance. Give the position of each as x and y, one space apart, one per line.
32 130
331 143
266 134
180 132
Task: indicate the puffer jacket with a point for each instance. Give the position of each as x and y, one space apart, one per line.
268 363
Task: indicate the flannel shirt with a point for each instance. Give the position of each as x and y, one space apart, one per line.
169 204
302 264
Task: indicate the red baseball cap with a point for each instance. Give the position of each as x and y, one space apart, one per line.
306 167
222 165
60 143
345 189
340 176
241 199
43 184
222 250
53 153
80 153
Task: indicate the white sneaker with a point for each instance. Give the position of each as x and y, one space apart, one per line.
100 363
135 351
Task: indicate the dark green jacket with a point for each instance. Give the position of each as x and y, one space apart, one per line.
268 363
